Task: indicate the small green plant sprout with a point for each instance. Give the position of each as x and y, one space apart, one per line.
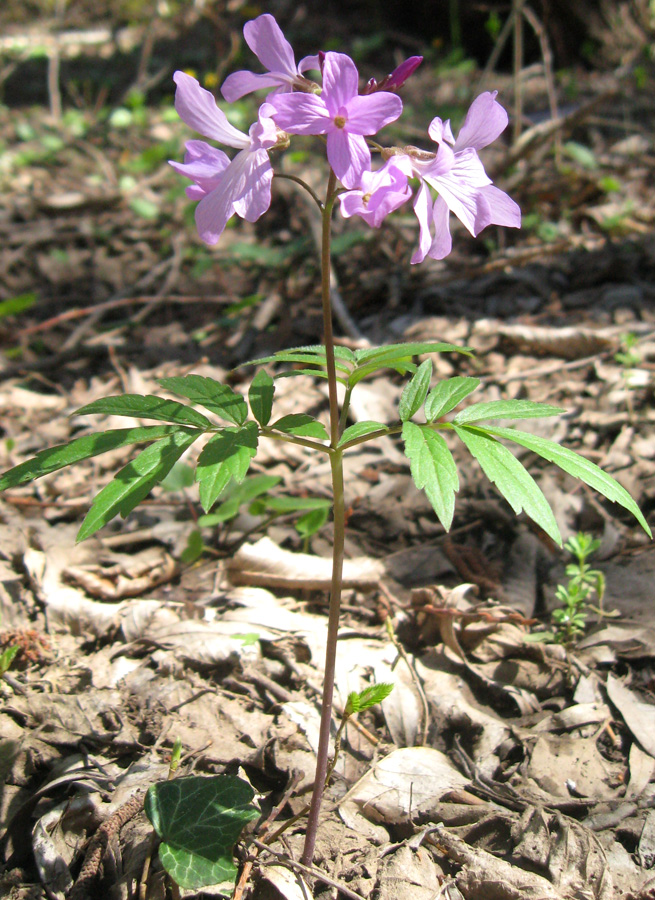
7 658
570 620
628 356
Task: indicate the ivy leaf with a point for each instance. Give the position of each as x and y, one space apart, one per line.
447 394
506 409
145 406
433 469
214 396
513 481
415 392
260 396
360 429
199 820
301 425
577 466
224 457
90 445
135 480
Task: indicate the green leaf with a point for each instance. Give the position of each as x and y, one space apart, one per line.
227 455
415 392
260 396
447 394
400 351
194 548
577 466
16 305
433 469
370 696
135 480
301 425
311 522
402 366
180 477
62 455
7 657
287 504
199 820
214 396
146 406
359 429
236 495
314 354
506 409
514 482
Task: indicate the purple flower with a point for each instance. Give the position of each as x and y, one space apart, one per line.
340 113
224 187
264 37
458 175
397 78
379 194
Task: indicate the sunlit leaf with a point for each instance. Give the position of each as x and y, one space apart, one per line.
214 396
148 406
415 391
260 396
433 469
506 409
447 394
224 457
361 429
302 425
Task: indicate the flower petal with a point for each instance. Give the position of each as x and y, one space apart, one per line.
264 37
442 242
369 113
502 210
349 156
301 113
422 208
238 84
204 165
441 131
340 80
309 62
484 121
197 107
258 177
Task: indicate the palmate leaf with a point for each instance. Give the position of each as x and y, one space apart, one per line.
575 465
433 469
145 406
135 480
214 396
506 409
415 391
260 397
224 457
90 445
199 819
513 481
447 394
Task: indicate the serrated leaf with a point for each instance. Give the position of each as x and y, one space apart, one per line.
513 481
577 466
433 469
314 354
447 394
90 445
370 696
236 495
506 409
225 457
260 397
415 391
362 372
199 820
302 425
360 429
409 349
135 480
311 522
214 396
145 406
317 373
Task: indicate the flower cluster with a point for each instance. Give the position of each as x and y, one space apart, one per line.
450 178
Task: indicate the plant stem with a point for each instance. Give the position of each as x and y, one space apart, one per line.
339 513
